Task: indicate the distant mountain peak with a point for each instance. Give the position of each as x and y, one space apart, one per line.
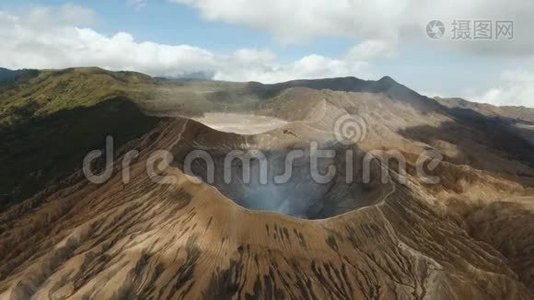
7 74
387 79
387 82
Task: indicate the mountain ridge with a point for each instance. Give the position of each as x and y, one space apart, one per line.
458 238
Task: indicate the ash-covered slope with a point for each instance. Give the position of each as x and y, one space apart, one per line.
364 239
185 240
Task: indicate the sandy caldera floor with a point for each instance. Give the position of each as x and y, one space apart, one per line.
240 123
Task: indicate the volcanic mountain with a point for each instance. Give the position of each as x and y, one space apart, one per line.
176 228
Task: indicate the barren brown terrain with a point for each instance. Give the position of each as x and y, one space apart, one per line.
469 236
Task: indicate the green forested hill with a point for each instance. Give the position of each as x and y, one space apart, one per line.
49 120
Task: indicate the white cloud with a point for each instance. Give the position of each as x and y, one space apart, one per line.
371 49
58 37
300 20
516 89
137 4
265 68
41 16
386 24
405 20
28 43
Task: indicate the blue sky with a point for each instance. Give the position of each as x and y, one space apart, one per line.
250 40
169 23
